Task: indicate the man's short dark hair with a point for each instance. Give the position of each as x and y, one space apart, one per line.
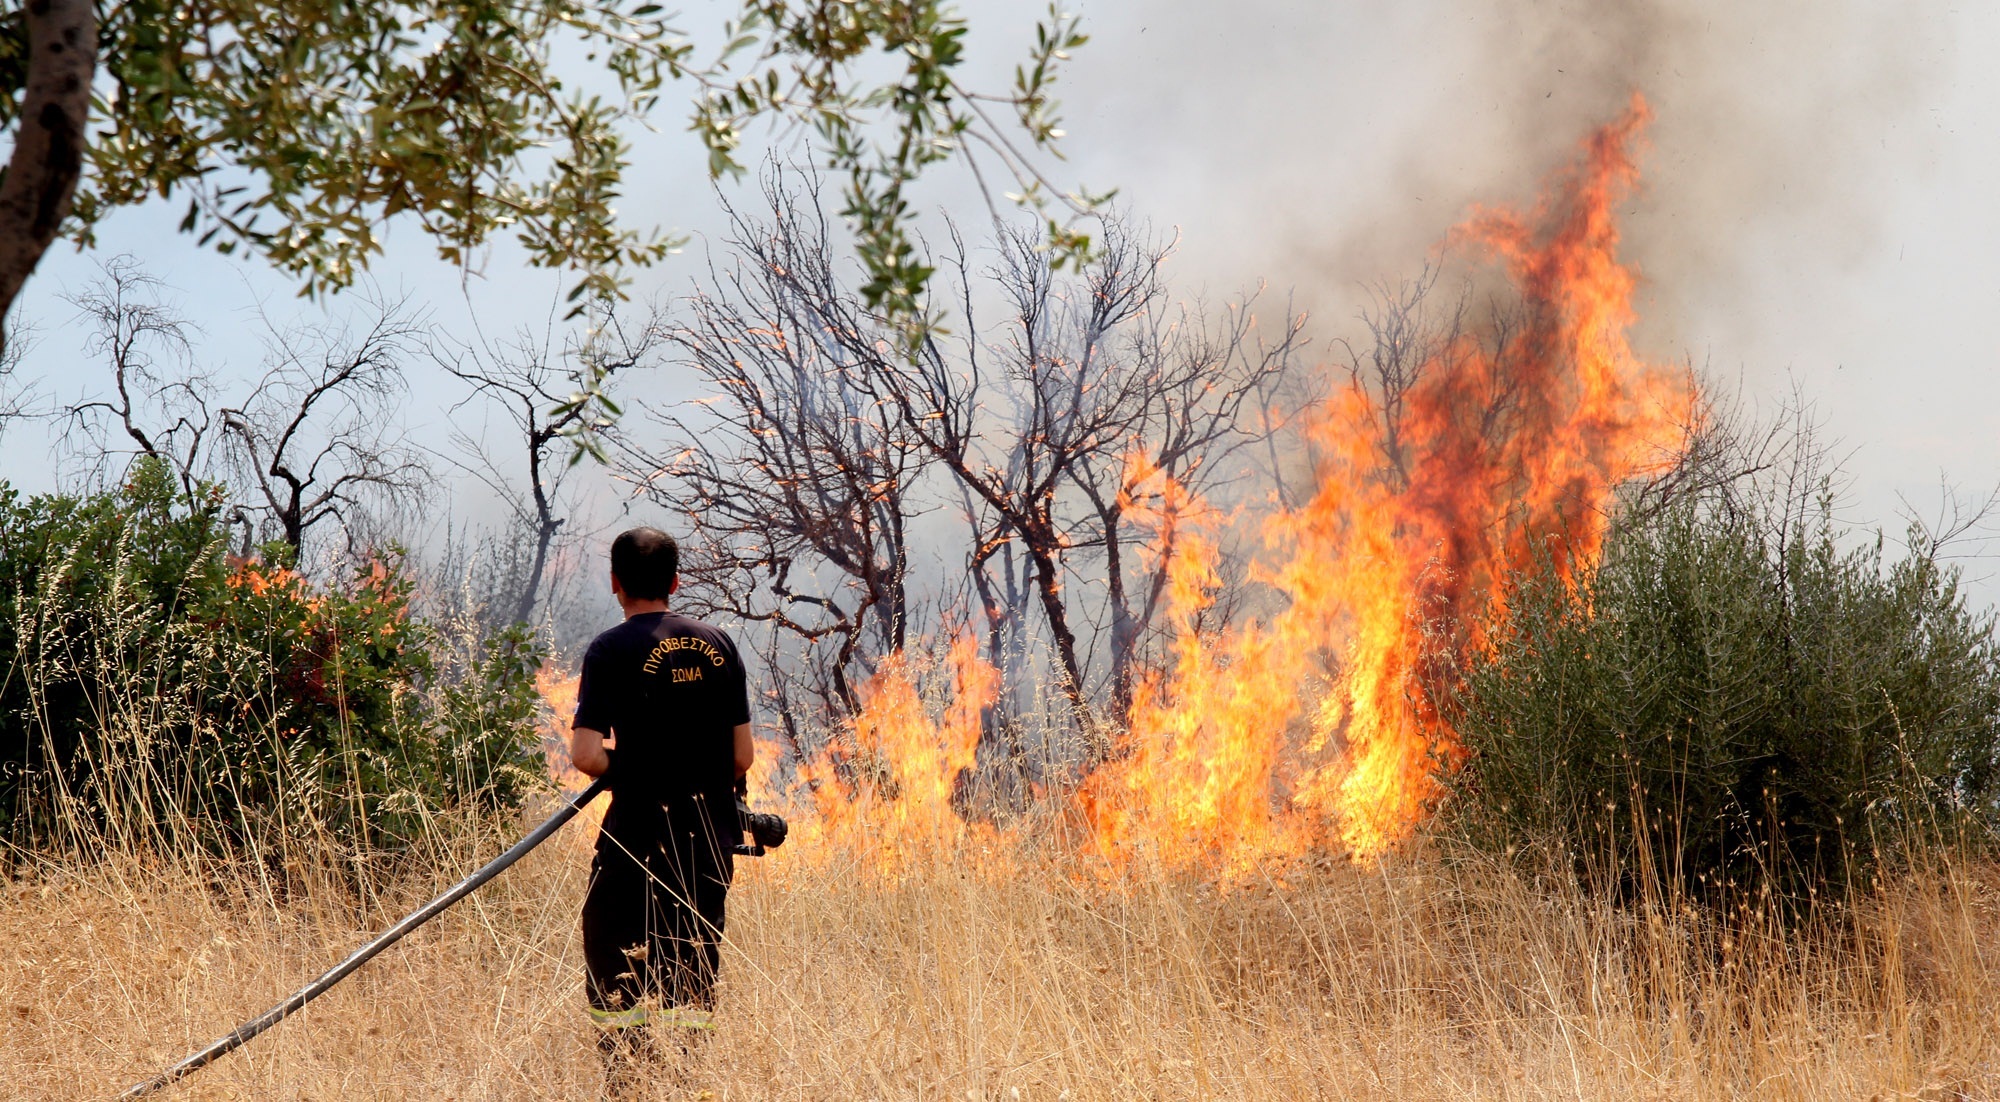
645 561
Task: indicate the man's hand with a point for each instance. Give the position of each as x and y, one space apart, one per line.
586 751
746 749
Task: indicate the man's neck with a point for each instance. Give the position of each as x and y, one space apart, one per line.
642 608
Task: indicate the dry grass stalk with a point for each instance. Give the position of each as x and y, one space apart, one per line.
1004 975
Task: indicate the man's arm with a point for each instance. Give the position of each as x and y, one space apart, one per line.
746 750
586 750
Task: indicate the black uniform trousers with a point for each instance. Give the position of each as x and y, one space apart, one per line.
653 917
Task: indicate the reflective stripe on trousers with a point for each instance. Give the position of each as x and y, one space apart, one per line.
618 1019
683 1017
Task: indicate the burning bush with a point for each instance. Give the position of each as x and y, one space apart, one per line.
1736 700
158 690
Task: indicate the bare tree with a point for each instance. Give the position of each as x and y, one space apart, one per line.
1186 386
535 386
317 437
165 409
13 403
1061 403
797 484
1097 376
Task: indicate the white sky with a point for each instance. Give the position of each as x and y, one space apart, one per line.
1818 210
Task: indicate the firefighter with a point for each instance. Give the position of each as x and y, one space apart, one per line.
670 694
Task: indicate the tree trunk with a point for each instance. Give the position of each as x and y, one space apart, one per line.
546 524
530 595
1048 584
48 138
1124 627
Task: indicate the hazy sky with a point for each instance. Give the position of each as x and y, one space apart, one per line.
1818 206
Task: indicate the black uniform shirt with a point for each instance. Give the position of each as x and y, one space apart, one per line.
671 690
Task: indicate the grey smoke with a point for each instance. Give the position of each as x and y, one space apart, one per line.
1318 145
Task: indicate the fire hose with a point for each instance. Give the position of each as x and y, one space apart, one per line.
760 827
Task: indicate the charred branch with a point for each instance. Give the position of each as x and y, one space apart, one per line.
794 478
315 441
532 383
166 410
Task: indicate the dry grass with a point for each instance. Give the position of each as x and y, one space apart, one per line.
1008 977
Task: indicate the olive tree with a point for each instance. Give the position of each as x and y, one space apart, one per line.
298 129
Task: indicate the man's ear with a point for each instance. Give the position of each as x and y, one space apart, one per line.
617 590
674 586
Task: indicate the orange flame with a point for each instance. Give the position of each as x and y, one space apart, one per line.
557 689
1386 571
893 793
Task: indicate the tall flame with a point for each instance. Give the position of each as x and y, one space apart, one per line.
1502 448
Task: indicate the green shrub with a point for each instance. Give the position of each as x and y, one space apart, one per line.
1730 703
153 687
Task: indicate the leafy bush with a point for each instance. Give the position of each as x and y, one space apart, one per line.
157 687
1730 702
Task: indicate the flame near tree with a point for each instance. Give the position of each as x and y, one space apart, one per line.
1312 726
1503 445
